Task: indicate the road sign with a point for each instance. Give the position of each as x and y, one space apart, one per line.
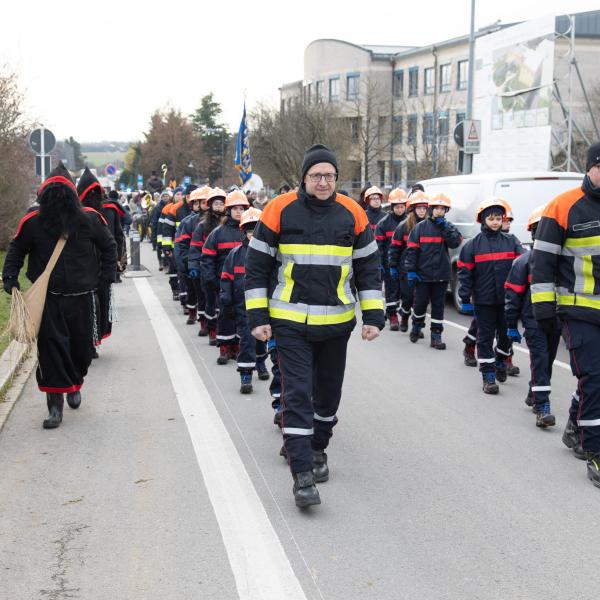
110 169
187 180
472 136
458 134
42 141
38 166
140 182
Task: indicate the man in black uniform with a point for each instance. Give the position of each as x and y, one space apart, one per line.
66 337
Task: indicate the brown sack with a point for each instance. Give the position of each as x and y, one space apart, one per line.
26 309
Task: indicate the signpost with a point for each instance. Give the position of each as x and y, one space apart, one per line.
472 136
42 141
110 170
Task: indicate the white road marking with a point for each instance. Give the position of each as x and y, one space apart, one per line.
258 561
557 363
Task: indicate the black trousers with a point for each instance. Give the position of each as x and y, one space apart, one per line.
471 338
491 324
211 305
275 385
103 315
65 342
251 349
583 340
542 352
392 291
191 300
200 297
426 292
407 295
312 374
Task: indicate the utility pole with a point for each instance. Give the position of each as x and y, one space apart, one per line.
468 158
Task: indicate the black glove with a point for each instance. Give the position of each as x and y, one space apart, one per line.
10 283
550 325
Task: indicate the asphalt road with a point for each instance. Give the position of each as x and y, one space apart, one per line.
168 489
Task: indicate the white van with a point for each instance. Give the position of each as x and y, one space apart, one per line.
524 191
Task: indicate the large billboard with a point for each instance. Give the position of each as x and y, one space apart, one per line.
514 71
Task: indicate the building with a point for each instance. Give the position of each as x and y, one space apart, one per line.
402 103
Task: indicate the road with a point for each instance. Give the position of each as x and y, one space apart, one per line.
167 483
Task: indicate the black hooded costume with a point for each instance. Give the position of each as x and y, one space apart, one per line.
65 339
91 195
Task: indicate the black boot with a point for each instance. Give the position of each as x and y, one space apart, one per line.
593 471
320 468
572 439
55 404
436 341
404 323
192 315
74 399
489 383
305 490
415 333
469 354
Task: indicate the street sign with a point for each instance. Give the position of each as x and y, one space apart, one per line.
187 180
458 134
140 182
472 136
42 141
110 169
38 166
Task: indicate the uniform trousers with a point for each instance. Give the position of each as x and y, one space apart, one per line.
491 324
251 349
312 374
407 295
542 352
392 291
426 292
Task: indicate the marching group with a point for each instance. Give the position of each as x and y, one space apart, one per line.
284 282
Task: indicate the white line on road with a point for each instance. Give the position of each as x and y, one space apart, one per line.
558 363
258 561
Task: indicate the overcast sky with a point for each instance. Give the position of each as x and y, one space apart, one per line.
97 71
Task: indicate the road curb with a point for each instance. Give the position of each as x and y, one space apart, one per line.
16 364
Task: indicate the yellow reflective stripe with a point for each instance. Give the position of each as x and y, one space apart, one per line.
286 293
543 297
580 242
571 300
257 303
331 319
341 292
588 275
288 315
324 249
371 305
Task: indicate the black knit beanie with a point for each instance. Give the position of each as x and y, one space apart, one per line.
317 154
593 156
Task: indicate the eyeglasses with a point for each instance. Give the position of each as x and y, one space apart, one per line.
316 177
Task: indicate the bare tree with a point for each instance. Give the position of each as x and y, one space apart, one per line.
17 177
278 139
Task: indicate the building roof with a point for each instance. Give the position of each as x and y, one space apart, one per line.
587 24
377 51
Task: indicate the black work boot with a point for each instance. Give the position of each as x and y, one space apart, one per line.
203 331
436 341
404 323
223 355
74 399
512 370
593 470
192 316
489 383
571 438
305 490
415 333
55 404
543 416
320 468
469 354
394 325
501 373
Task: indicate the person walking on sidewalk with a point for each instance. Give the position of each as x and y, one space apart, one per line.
66 337
312 253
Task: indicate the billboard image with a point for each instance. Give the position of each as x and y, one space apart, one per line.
513 95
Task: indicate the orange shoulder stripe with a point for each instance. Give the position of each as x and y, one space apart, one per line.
558 209
360 216
271 215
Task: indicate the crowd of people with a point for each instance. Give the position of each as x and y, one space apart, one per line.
282 279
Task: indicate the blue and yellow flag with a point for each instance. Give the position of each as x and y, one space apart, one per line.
242 162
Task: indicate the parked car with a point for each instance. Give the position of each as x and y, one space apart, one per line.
523 191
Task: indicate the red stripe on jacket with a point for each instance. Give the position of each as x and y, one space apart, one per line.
240 270
520 289
431 240
469 266
226 245
25 219
185 236
209 251
114 207
225 275
494 256
90 209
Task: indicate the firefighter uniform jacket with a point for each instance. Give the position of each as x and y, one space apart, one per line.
374 215
167 226
183 238
232 279
154 219
518 294
77 268
565 264
307 262
427 250
483 266
398 247
217 246
182 210
384 232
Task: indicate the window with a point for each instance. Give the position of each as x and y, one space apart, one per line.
398 84
319 92
381 128
396 173
282 106
463 75
354 128
411 133
289 105
443 125
308 93
352 87
444 78
461 115
411 172
428 127
397 133
334 89
381 171
429 83
413 81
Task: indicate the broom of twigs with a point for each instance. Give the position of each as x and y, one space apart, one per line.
21 327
